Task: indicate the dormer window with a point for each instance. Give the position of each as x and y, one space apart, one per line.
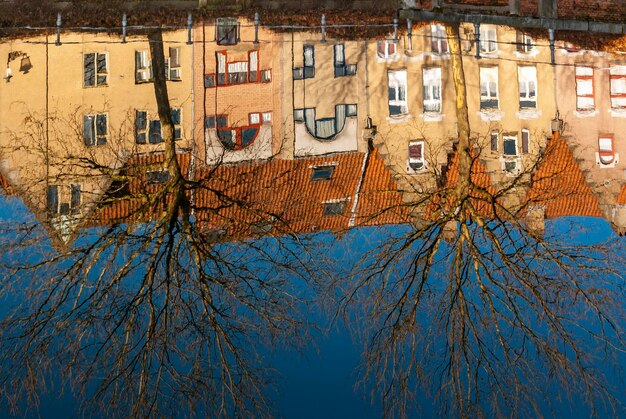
334 208
227 31
322 172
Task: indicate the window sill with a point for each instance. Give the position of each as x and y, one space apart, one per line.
432 116
607 166
527 114
391 59
399 118
495 54
586 114
618 113
490 115
531 54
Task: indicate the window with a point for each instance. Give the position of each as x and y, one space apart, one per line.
254 118
209 80
307 71
606 154
150 130
209 121
386 49
262 227
157 176
322 172
527 77
524 43
173 66
351 109
398 104
95 130
525 141
438 39
75 198
235 72
432 89
494 140
584 89
298 115
333 208
488 40
143 67
55 200
509 150
176 121
95 69
489 88
227 31
416 155
509 146
266 76
341 68
266 117
618 87
154 133
253 60
141 126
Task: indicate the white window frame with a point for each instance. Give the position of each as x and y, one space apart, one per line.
512 160
96 73
606 144
525 43
143 67
488 39
93 118
397 80
174 66
527 82
585 100
617 75
432 87
389 49
489 79
419 161
254 118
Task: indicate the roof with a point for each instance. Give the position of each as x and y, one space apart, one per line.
379 200
559 184
266 197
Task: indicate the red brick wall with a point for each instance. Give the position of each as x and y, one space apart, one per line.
592 9
529 7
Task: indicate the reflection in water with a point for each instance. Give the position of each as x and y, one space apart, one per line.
178 192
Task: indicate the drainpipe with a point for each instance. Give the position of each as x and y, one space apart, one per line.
368 133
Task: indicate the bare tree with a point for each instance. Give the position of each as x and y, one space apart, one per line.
150 312
475 307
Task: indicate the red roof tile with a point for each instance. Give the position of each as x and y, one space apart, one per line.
560 186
